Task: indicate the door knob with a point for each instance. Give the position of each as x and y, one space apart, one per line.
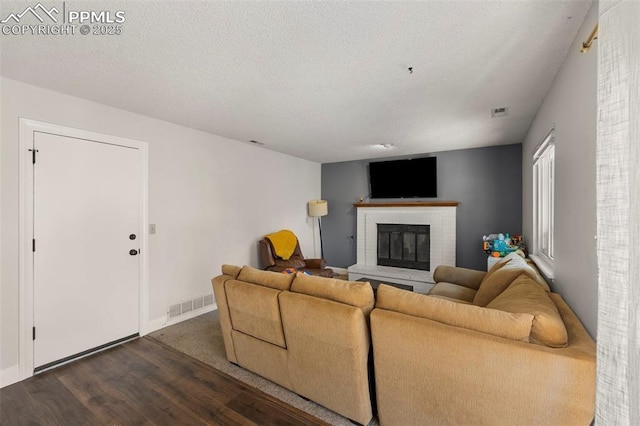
133 252
132 236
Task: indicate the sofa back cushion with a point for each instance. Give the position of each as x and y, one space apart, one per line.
354 293
524 295
327 351
500 277
453 291
255 311
516 326
538 278
231 270
269 279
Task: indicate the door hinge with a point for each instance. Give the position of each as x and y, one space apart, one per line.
34 333
33 155
34 245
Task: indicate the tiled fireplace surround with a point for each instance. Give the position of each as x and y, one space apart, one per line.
441 216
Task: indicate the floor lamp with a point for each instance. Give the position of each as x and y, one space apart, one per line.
319 208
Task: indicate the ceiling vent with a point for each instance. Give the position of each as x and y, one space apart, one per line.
499 112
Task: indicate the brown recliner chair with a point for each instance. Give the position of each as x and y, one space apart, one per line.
271 262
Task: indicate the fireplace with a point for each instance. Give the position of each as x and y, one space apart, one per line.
403 246
438 217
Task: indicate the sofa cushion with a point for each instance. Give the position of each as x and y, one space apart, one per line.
516 326
538 278
453 291
464 302
269 279
328 347
499 264
500 277
255 311
231 270
524 295
457 275
354 293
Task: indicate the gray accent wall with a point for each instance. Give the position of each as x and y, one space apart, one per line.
486 181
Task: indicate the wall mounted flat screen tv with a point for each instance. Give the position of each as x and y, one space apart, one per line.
412 178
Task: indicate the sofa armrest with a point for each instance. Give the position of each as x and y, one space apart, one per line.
316 263
224 316
461 276
266 255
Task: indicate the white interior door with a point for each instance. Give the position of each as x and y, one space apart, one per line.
87 204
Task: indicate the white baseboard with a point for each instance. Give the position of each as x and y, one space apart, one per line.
155 324
9 376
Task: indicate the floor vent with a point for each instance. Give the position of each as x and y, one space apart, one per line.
188 306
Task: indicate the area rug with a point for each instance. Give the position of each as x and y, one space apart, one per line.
201 338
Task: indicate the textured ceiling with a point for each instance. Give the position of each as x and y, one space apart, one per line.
324 81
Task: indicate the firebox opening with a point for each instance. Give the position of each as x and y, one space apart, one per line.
404 246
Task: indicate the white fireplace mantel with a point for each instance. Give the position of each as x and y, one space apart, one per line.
441 218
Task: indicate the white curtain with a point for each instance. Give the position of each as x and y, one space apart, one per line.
618 211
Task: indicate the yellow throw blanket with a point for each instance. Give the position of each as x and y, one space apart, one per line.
283 242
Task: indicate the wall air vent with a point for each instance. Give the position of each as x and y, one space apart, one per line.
189 306
499 112
208 300
174 311
198 303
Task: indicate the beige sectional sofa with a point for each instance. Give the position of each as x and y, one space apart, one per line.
483 348
306 333
487 348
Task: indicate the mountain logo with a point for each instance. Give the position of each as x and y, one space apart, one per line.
38 11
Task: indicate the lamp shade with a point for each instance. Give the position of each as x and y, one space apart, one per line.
318 208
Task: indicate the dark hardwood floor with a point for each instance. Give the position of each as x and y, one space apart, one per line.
141 382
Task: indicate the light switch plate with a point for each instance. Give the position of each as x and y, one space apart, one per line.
152 228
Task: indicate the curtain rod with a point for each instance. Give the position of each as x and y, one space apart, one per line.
587 44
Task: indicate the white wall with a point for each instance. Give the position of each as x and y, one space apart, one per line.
203 193
571 105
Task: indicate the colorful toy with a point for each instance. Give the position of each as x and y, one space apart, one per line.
499 245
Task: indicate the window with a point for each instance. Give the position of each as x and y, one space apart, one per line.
543 202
